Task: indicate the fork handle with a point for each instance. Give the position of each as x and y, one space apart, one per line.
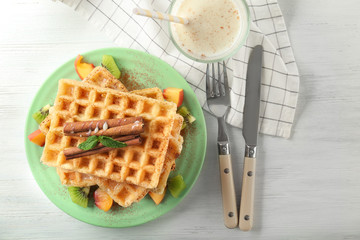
228 192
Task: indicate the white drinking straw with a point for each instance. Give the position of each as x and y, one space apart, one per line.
159 15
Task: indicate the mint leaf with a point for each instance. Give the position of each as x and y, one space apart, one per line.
90 143
110 142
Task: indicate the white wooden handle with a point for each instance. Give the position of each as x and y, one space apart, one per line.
228 192
246 215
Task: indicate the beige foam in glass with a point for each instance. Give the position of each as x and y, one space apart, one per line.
216 29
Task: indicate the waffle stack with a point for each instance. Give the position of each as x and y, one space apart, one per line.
127 174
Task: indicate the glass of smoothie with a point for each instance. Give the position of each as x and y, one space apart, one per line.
216 29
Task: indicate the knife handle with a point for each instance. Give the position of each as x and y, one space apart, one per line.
246 215
228 191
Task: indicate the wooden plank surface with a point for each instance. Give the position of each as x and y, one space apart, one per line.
308 187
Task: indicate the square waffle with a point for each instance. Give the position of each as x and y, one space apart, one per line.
123 193
101 77
126 194
77 179
140 165
173 152
154 93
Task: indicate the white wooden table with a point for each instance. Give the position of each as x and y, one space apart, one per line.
307 187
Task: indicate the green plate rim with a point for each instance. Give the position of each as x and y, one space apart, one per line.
202 128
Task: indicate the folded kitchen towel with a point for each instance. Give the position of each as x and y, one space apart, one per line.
280 76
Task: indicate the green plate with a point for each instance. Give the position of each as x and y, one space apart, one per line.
139 70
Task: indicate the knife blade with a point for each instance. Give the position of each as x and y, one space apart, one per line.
250 133
252 97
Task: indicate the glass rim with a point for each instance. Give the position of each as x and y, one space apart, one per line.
241 43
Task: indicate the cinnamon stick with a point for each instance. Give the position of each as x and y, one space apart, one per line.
85 126
75 152
132 128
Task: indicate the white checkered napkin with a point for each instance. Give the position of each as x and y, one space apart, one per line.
280 81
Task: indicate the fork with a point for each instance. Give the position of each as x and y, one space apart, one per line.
218 101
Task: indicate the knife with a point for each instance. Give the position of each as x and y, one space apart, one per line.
250 132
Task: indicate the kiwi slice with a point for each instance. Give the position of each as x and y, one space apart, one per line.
109 63
79 195
40 115
183 125
183 111
176 185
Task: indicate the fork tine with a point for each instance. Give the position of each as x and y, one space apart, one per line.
226 82
214 90
219 81
208 87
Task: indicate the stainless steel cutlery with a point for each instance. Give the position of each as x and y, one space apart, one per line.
218 101
250 133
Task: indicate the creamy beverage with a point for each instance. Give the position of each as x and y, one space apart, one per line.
214 27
